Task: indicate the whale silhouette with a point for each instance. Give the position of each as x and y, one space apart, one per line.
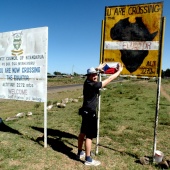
123 30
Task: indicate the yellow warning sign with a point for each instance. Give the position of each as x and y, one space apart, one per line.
132 36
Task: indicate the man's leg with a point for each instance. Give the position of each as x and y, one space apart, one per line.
88 160
88 144
80 141
81 153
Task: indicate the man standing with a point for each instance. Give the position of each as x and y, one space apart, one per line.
88 111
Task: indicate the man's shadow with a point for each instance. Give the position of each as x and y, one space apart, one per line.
54 140
6 128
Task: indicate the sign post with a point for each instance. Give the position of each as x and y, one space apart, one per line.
158 89
133 36
23 66
99 96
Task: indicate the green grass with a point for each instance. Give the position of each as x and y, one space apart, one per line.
65 81
126 130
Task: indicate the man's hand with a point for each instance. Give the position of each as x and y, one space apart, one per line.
100 67
119 67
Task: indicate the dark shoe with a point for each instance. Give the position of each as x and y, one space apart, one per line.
81 156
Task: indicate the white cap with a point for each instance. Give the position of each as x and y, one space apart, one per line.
91 71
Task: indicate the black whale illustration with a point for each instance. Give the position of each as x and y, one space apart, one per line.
126 31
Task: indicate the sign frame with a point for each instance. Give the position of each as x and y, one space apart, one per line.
139 54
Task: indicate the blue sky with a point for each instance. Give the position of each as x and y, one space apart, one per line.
74 28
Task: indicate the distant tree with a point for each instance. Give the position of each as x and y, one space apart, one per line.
163 74
167 73
57 73
75 74
64 73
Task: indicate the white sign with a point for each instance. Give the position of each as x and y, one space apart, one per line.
23 64
131 45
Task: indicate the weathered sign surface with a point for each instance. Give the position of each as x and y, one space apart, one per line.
132 36
23 64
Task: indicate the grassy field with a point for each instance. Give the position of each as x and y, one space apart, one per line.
126 129
64 81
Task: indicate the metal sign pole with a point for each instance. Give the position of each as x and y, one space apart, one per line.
99 96
45 124
158 89
45 105
98 118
